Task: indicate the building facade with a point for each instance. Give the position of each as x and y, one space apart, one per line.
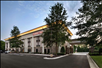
33 42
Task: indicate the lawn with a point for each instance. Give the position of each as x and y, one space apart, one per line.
98 60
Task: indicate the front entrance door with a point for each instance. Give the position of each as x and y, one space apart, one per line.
45 51
29 50
48 51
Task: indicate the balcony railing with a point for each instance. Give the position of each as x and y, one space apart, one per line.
29 46
37 40
29 41
37 45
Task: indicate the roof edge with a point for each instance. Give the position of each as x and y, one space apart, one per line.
36 29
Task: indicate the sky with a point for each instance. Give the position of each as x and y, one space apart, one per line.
27 15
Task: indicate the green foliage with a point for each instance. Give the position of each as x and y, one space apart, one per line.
62 49
15 42
100 50
75 48
61 53
55 33
89 22
83 49
98 60
2 46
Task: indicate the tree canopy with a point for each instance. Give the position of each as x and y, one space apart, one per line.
2 46
56 21
89 22
15 42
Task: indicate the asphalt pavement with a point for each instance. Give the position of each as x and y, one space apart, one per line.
35 61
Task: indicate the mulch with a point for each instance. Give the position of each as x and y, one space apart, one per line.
53 56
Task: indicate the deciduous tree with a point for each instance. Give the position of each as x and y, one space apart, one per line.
56 33
15 41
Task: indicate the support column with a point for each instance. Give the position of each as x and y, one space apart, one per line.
32 44
42 48
42 45
5 45
26 45
59 49
8 46
68 48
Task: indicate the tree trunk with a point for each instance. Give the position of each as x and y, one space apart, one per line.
56 48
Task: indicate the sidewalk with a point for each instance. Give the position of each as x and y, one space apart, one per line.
91 62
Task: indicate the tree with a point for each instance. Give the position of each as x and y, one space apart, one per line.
56 31
2 46
89 22
62 50
15 42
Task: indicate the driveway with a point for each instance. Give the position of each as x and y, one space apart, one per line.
29 61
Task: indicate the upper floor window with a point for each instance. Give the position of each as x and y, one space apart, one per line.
29 46
37 37
37 40
29 40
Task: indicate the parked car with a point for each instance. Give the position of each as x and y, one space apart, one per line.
6 52
1 51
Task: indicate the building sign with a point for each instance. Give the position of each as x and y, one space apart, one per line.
40 32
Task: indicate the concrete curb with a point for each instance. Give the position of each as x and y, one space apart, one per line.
91 62
55 57
29 54
41 54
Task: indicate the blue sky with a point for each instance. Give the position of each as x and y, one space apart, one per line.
27 15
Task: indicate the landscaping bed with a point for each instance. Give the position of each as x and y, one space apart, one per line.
53 56
58 54
98 60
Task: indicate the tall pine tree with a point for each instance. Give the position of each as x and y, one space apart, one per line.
56 33
89 22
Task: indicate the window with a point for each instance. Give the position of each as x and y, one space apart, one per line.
28 45
37 40
37 37
37 45
29 42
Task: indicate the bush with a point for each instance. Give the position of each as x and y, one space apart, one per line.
60 53
94 53
37 53
100 50
83 49
62 50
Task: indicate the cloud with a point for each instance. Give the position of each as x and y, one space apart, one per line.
18 9
21 3
72 7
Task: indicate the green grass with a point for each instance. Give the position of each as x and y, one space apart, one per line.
98 60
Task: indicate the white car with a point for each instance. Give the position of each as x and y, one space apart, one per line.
6 52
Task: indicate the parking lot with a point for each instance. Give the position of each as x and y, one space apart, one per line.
34 61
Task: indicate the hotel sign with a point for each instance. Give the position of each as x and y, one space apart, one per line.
40 32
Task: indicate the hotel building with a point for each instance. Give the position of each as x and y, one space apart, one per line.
33 42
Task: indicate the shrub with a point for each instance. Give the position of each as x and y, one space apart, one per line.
62 50
100 50
61 53
37 53
94 53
